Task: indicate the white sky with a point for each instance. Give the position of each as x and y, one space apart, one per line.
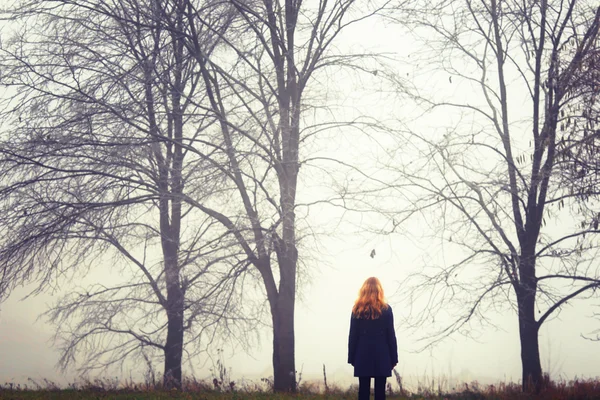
322 319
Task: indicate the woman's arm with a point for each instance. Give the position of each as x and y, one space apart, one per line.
352 339
391 336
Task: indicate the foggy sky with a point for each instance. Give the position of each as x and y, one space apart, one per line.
322 319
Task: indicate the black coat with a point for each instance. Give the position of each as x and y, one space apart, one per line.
372 347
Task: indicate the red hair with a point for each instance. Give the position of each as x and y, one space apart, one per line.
370 300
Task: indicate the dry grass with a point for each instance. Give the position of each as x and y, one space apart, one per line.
229 390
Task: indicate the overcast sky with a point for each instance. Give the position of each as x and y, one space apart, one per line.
322 319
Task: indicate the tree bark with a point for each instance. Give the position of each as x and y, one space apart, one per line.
528 326
175 291
530 353
284 367
174 343
174 308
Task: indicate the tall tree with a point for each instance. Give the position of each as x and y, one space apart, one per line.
253 63
258 101
488 181
97 158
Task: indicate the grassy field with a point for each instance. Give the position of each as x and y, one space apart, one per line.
156 395
563 390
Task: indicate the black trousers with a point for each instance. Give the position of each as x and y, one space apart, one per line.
364 388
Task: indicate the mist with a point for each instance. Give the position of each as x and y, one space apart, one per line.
366 214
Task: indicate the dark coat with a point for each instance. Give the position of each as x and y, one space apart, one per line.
372 347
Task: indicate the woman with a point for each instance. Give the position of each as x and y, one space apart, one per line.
372 348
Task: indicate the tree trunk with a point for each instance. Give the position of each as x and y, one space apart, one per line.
175 293
528 326
174 343
284 368
173 352
284 364
174 309
530 353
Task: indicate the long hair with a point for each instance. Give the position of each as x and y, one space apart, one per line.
370 302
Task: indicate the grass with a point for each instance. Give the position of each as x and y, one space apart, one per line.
156 395
200 390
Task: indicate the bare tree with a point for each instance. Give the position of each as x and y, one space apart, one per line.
258 102
98 159
488 181
253 63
